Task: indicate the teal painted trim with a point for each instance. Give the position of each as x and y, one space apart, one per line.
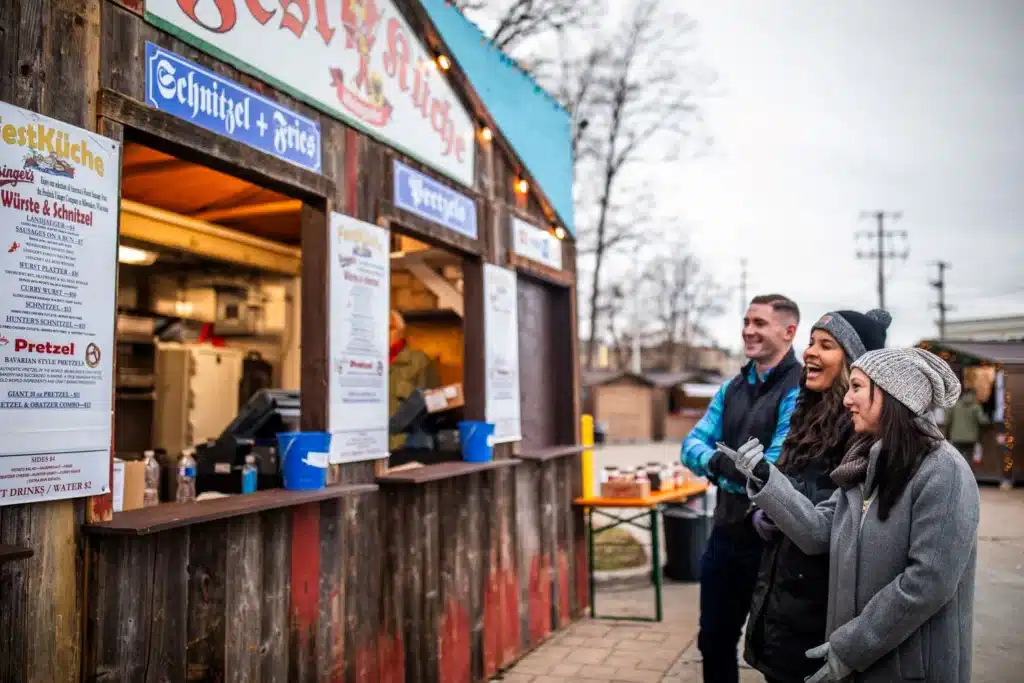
537 128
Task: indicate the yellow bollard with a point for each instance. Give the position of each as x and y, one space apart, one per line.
587 437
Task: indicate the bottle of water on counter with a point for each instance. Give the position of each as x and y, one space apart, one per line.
187 477
249 474
151 490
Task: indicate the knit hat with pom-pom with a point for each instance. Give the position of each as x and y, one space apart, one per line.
856 332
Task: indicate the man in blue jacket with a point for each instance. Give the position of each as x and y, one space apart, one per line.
757 402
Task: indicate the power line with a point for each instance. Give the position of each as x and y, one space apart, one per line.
940 285
882 251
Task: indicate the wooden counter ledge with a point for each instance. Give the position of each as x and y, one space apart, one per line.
166 516
552 453
441 471
10 553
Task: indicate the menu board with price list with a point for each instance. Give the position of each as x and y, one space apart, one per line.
58 270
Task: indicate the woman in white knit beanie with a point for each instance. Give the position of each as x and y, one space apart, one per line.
901 528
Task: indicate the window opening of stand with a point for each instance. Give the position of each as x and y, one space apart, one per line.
425 399
207 329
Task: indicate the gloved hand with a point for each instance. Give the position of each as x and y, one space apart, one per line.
721 467
832 671
763 525
749 460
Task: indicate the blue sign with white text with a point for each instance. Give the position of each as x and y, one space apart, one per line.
427 198
190 92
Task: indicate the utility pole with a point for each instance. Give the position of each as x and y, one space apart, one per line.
743 286
940 285
882 251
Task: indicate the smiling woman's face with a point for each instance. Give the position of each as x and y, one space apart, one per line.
823 361
864 404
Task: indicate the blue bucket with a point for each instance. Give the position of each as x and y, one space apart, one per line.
304 458
477 439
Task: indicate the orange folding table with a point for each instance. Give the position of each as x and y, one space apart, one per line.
651 507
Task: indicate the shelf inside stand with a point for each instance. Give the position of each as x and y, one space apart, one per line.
440 472
552 452
143 521
11 553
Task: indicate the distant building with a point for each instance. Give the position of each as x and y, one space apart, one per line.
1002 328
658 358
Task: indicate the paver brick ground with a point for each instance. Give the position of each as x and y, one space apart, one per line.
606 651
599 651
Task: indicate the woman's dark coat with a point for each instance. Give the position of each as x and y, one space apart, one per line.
787 614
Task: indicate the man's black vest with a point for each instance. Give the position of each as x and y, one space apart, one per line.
752 410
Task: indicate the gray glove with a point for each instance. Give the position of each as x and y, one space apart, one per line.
832 671
749 460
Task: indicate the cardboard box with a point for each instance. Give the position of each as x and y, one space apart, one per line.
134 484
625 489
444 398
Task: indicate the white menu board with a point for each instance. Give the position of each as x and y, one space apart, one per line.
58 268
359 313
501 335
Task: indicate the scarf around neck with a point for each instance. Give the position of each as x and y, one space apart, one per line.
853 470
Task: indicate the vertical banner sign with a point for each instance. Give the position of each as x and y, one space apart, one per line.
58 267
501 337
359 309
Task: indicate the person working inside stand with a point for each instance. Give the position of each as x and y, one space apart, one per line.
409 369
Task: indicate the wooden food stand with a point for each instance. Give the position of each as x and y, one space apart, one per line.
447 572
996 371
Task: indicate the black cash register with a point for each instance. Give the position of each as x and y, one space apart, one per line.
254 432
430 437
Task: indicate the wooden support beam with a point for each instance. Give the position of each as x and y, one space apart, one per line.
447 295
250 211
174 231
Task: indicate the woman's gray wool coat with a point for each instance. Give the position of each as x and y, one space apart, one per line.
901 592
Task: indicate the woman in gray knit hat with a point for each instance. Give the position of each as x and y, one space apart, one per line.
788 609
901 529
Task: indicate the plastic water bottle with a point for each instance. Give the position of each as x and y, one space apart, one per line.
249 474
187 477
151 491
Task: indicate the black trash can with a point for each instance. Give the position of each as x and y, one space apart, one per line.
686 536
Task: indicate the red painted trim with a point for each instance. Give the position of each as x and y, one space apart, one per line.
305 573
391 658
511 629
540 599
454 645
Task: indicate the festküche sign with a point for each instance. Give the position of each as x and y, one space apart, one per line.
355 59
59 190
190 92
427 198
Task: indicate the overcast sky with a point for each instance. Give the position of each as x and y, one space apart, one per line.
830 108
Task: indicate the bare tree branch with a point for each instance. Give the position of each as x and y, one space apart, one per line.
685 299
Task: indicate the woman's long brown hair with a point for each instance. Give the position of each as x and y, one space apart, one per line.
820 422
905 445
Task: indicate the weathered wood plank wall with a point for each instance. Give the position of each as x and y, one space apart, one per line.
49 52
448 581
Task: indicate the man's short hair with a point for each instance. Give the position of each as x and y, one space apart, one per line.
778 303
